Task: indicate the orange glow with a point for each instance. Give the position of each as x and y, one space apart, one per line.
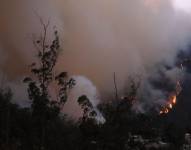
154 4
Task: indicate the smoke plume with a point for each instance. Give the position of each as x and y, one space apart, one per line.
99 37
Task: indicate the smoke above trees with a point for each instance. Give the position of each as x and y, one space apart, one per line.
100 37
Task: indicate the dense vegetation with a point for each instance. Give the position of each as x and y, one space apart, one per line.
21 129
42 126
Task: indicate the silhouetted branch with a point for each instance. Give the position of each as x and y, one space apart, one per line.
115 86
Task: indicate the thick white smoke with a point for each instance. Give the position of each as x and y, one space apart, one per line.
99 37
83 87
127 37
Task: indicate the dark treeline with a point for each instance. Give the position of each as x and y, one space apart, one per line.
42 126
21 129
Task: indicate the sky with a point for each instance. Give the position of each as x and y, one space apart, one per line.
98 37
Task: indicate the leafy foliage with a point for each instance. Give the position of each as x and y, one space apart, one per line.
44 75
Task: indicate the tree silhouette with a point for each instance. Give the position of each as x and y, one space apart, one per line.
87 107
5 97
44 106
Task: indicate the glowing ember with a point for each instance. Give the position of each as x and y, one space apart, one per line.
170 106
166 110
174 100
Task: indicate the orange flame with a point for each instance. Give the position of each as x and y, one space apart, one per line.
172 100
